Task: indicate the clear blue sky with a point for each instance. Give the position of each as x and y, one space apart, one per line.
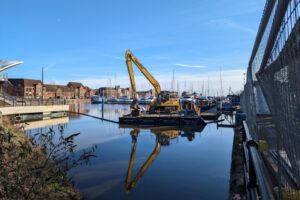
86 40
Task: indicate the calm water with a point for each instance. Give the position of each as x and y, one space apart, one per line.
165 163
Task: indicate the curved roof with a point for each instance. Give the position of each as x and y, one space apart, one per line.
8 64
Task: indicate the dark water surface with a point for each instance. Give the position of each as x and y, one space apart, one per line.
165 163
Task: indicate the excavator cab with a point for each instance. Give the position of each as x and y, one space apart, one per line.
162 98
165 103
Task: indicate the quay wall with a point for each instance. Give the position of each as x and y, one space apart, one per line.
33 109
78 101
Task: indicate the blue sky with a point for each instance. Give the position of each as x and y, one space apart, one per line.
76 40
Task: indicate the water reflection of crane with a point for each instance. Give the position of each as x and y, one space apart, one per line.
164 137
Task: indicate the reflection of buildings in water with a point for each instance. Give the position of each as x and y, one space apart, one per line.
44 126
79 108
74 116
45 123
164 137
116 109
96 110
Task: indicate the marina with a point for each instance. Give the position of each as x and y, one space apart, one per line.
173 169
150 100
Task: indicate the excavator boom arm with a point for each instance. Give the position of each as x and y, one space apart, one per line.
129 57
130 184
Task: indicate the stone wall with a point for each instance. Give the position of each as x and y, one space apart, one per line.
78 101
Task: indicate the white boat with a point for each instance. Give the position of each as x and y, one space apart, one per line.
125 100
96 99
225 105
150 99
113 100
187 98
205 103
142 100
146 100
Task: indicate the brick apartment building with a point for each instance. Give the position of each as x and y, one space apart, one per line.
78 88
58 92
29 88
116 91
89 92
146 93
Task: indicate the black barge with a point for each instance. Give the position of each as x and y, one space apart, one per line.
162 120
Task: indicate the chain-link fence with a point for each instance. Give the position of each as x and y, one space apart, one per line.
271 98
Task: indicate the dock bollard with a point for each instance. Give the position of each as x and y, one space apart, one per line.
102 108
239 117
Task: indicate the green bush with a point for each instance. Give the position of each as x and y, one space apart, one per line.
35 167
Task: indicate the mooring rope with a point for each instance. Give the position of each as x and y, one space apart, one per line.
108 120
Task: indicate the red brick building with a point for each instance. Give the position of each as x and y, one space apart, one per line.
146 93
126 91
117 91
29 88
58 92
78 88
108 92
89 92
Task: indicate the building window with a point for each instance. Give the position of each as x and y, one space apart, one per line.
39 92
27 92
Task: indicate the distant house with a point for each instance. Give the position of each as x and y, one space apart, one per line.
146 93
30 88
89 92
58 92
126 91
116 91
108 92
79 90
27 88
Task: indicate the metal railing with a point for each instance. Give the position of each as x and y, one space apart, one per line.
256 184
21 101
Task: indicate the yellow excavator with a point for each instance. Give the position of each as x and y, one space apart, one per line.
165 102
163 138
